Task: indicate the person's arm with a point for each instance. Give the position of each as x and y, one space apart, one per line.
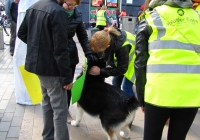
7 10
23 31
84 41
142 55
122 56
59 25
120 14
107 20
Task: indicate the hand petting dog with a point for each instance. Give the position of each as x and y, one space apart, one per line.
94 70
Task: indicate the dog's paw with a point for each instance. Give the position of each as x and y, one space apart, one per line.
123 135
74 123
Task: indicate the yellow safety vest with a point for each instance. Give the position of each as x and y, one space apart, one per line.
101 20
130 73
173 67
198 9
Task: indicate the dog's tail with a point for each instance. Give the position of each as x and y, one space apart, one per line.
133 104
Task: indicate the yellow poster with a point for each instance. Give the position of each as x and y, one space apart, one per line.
32 84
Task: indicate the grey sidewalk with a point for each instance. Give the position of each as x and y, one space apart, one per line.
20 122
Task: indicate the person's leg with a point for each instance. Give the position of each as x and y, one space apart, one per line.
58 101
12 37
127 86
117 81
155 118
180 123
48 130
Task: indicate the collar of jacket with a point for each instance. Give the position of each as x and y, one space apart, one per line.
179 4
77 13
53 0
120 39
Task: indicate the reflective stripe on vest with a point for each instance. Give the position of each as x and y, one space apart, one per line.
173 67
130 39
101 20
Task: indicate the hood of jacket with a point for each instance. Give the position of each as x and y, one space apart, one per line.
116 43
179 3
77 13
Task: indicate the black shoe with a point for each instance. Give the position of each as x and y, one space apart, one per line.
11 54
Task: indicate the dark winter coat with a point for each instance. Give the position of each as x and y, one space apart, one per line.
44 30
77 27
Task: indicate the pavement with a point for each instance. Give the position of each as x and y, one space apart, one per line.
24 122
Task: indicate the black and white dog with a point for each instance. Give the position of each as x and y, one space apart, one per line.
114 107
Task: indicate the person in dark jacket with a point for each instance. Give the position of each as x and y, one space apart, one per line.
117 46
164 54
44 30
76 26
12 25
14 13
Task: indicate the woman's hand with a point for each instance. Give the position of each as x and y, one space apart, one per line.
84 68
94 70
68 87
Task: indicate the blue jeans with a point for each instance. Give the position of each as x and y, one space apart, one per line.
54 107
127 85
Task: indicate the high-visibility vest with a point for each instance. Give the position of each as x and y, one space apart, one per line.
130 73
198 9
173 67
101 20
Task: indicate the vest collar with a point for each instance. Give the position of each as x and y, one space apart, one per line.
180 4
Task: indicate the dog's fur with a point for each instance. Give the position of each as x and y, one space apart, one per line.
115 108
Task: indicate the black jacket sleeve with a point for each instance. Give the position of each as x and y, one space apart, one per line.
61 49
83 38
23 31
122 55
142 55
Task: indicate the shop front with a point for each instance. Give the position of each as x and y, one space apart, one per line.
89 9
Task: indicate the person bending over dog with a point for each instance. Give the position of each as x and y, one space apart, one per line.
118 52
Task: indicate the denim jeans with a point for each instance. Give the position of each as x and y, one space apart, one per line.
55 108
127 85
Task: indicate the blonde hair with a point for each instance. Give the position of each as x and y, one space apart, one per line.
78 2
101 39
103 7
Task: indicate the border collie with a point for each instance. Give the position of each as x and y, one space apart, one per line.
114 107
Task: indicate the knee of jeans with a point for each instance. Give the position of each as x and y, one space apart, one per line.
128 89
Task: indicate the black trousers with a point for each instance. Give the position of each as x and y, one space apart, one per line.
12 36
181 120
69 93
101 27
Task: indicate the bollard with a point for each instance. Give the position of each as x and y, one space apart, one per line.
91 32
1 39
129 23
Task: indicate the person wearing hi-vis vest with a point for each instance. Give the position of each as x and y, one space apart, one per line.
101 18
167 68
117 49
